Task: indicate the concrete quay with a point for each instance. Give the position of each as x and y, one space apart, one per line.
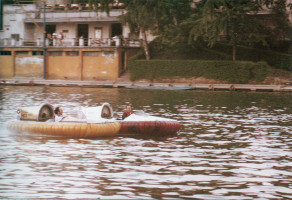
146 85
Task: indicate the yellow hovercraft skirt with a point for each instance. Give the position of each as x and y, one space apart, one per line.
71 130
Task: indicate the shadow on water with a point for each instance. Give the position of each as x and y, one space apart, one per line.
232 145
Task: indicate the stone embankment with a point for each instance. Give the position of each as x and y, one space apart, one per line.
126 83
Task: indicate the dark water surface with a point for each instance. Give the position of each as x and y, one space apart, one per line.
232 145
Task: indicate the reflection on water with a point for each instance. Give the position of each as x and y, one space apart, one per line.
232 145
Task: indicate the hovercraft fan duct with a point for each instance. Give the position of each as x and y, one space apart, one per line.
36 113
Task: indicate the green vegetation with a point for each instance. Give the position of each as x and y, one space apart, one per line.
274 59
193 47
231 71
212 63
212 18
153 16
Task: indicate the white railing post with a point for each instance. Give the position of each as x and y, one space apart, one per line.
39 42
117 40
73 41
47 42
13 42
81 42
20 42
89 42
54 42
5 42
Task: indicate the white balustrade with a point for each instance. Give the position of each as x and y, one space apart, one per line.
70 42
81 42
13 42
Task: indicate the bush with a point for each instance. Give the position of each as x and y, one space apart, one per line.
182 51
234 72
274 59
220 51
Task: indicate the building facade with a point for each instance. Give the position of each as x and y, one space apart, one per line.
79 42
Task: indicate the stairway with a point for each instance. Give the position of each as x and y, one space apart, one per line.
124 78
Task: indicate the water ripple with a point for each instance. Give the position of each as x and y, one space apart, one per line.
231 146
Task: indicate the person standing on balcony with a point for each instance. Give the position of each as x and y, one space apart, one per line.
60 38
50 39
55 39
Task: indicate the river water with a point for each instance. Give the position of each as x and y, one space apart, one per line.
232 145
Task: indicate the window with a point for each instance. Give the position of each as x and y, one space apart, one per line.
90 53
50 28
5 53
21 53
116 29
97 32
72 53
37 53
55 53
108 53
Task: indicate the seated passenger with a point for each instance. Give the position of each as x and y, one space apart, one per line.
127 112
58 114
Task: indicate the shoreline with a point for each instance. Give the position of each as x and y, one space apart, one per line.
146 85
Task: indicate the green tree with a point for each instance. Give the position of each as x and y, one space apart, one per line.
148 16
170 15
236 18
140 19
279 21
171 12
154 16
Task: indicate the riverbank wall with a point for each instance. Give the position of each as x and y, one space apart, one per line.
147 85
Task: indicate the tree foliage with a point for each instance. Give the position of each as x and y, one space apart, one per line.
173 14
154 16
177 23
140 19
280 29
235 19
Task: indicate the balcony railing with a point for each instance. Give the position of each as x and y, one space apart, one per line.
81 6
70 42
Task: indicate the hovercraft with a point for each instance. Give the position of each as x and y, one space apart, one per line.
91 122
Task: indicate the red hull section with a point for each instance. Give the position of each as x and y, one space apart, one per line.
149 128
